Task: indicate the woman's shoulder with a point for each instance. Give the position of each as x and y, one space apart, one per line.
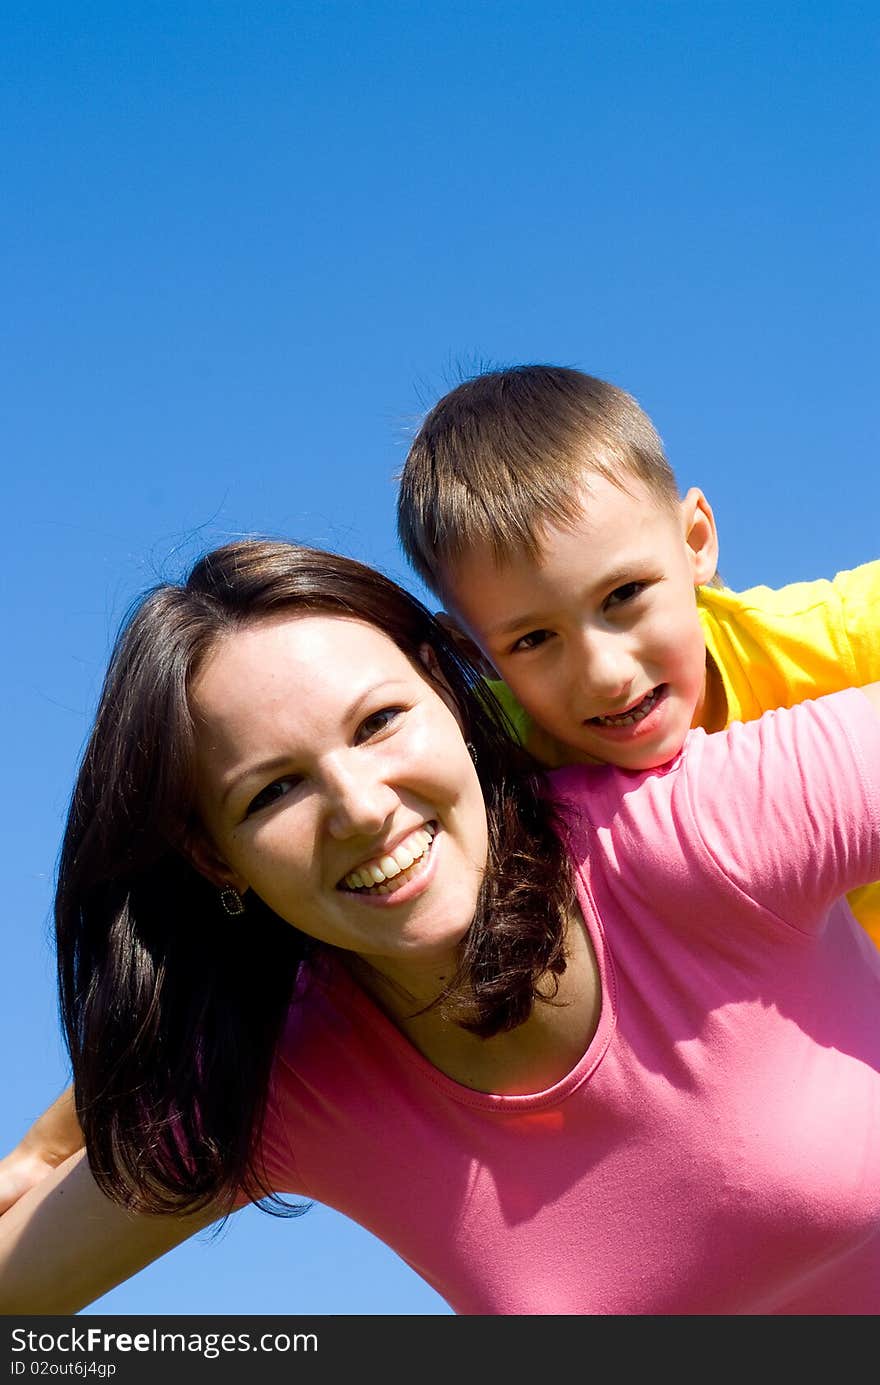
784 810
767 774
585 786
626 815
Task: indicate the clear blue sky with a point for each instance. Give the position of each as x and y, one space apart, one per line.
244 246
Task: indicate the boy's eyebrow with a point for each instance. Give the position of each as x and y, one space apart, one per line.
617 577
507 627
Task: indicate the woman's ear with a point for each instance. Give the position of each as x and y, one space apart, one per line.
700 535
429 659
464 644
205 858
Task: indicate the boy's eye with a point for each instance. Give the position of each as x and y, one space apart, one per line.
532 640
627 592
271 794
377 722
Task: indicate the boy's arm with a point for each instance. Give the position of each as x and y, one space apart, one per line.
52 1138
64 1243
774 648
859 591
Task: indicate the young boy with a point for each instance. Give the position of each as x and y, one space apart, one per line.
538 505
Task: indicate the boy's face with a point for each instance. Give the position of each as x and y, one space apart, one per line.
599 638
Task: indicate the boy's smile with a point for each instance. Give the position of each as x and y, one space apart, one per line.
598 635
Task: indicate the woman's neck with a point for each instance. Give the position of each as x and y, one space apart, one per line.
530 1058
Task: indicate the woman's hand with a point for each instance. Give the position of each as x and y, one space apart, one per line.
20 1171
52 1138
64 1244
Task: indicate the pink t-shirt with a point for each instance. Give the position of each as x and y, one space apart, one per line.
717 1148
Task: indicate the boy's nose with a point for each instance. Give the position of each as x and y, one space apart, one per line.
606 667
359 803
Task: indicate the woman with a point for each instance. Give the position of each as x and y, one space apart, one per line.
600 1044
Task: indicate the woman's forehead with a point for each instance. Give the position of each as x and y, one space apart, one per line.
290 687
307 650
304 636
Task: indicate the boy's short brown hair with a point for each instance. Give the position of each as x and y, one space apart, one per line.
507 451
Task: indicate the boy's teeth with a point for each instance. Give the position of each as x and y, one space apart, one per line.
376 873
638 713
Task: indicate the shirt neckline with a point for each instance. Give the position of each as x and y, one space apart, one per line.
345 989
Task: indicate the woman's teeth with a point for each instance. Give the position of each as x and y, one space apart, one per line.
387 873
629 718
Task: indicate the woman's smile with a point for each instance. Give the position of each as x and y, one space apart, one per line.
333 775
389 873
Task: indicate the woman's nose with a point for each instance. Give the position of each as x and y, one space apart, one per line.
360 802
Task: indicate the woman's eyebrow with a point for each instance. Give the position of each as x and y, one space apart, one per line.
255 771
274 763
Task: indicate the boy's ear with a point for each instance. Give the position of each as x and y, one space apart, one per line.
463 642
205 858
700 535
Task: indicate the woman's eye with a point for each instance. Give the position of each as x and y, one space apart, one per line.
379 721
627 592
271 794
532 640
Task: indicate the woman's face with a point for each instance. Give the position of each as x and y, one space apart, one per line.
334 782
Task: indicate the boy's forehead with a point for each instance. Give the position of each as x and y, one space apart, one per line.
608 525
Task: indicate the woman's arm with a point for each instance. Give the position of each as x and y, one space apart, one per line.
52 1138
64 1244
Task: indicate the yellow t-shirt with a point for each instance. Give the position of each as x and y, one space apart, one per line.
776 648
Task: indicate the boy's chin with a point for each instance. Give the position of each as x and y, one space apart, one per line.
639 753
649 753
648 743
